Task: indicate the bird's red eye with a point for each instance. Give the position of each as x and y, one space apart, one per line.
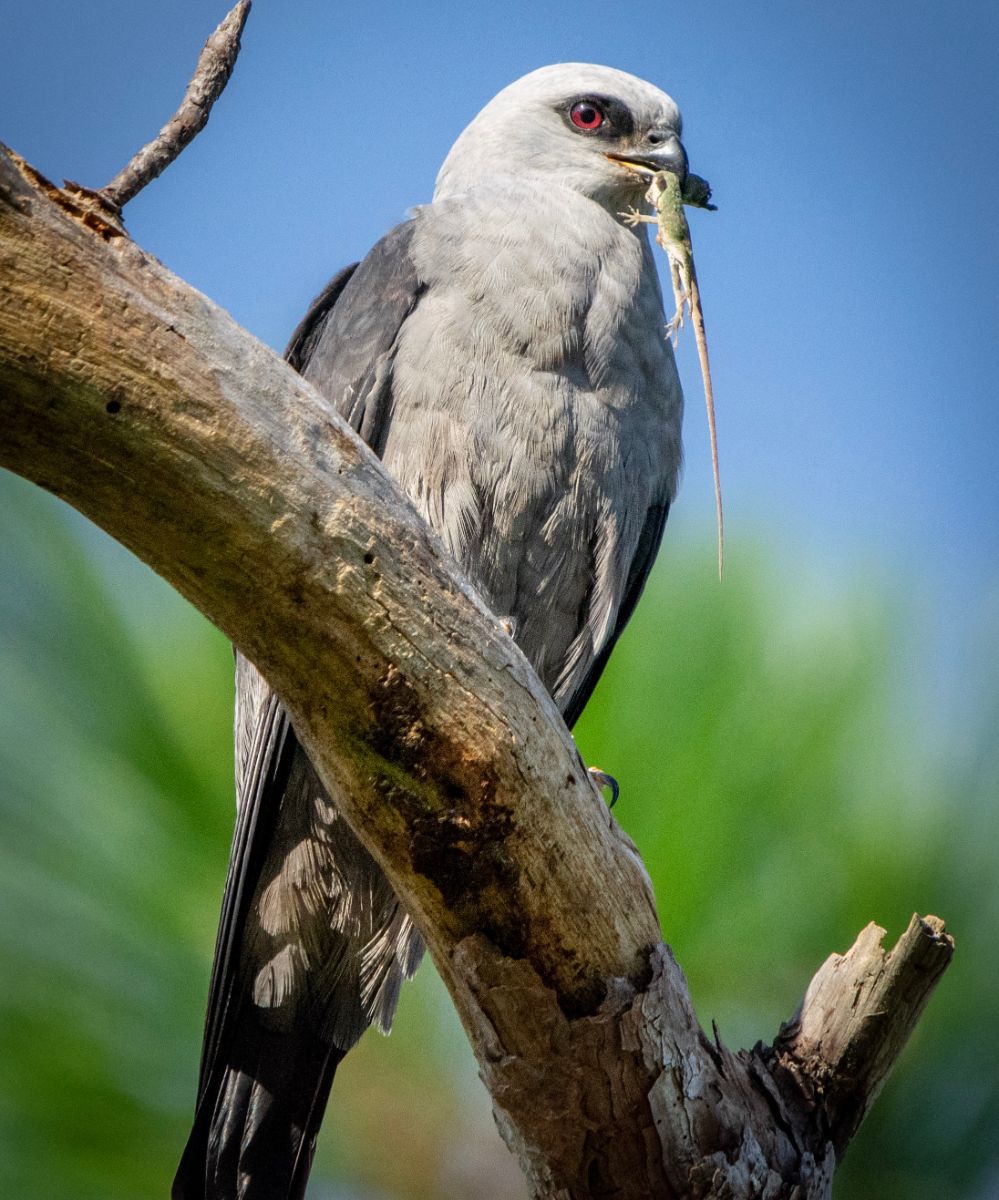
585 115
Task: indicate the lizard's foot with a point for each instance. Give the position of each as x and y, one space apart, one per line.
674 326
632 216
509 626
603 780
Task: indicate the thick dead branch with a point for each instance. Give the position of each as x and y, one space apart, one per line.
635 1100
145 406
214 67
142 404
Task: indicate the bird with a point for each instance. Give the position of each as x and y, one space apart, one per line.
502 351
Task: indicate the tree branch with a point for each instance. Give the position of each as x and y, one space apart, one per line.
141 403
855 1018
211 74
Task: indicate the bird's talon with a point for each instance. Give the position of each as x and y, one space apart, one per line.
603 780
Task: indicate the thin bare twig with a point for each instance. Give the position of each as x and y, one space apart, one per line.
215 65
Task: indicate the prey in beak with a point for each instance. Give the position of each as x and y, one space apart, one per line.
668 155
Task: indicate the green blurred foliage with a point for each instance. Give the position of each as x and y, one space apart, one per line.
775 772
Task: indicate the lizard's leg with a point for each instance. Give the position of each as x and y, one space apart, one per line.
681 297
632 216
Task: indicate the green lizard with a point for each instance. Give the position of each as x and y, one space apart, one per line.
668 198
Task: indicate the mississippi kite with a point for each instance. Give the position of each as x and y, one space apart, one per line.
503 352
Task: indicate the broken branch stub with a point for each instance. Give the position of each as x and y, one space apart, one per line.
856 1016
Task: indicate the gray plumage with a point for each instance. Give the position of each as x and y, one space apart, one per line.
503 351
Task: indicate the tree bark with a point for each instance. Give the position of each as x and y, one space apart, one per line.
141 403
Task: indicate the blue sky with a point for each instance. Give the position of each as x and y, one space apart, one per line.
849 276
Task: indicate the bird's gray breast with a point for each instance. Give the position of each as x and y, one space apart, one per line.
536 409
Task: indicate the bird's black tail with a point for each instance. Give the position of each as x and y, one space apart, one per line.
312 948
255 1128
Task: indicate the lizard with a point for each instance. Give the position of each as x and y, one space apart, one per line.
667 197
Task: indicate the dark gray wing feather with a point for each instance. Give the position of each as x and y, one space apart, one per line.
299 886
350 340
270 756
641 565
303 341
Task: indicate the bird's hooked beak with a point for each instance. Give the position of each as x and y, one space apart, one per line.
660 150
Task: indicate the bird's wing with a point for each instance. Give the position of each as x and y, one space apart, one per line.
303 341
263 775
312 943
346 343
638 573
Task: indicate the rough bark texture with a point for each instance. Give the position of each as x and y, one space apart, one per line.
138 401
635 1100
855 1018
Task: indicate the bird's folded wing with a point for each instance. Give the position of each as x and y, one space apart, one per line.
638 573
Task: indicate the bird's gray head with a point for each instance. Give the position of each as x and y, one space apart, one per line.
594 129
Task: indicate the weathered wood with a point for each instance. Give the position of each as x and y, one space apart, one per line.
141 403
855 1018
635 1100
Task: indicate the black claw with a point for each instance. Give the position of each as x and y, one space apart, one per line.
603 780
